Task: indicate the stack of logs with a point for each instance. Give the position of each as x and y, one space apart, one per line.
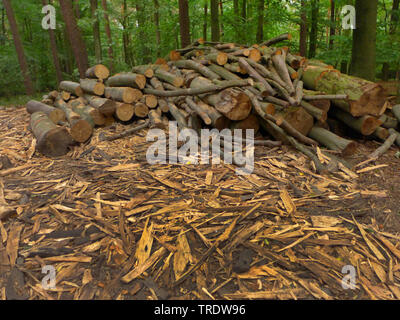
297 101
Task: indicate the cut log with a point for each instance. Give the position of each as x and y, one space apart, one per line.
381 133
223 73
232 103
256 76
150 100
364 97
396 111
388 121
366 125
71 87
392 131
280 38
52 141
278 59
128 79
98 72
255 55
81 130
54 114
141 110
198 110
156 120
220 58
65 95
317 113
384 147
123 94
218 120
92 86
92 115
104 106
251 122
178 115
298 118
124 111
145 70
333 141
169 77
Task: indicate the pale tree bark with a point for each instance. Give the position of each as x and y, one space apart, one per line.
363 62
75 37
184 23
19 47
205 21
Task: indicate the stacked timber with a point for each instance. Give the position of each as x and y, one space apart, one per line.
226 85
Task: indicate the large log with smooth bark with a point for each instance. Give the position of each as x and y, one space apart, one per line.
364 97
333 141
71 87
54 114
99 71
365 125
127 79
52 140
298 118
123 94
103 105
92 86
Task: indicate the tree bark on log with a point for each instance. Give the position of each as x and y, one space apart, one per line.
280 38
123 94
251 122
92 86
396 111
364 97
169 77
144 70
141 110
279 62
99 71
232 103
317 113
298 118
52 141
71 87
389 122
384 147
218 120
333 141
92 115
156 120
190 64
104 106
256 76
381 133
127 79
366 125
54 114
392 131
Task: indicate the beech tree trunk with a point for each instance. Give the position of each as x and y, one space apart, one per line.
205 29
363 61
314 28
303 29
157 23
332 28
108 34
75 37
184 23
19 47
96 30
215 32
260 22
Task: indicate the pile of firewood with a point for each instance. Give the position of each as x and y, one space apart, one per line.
221 85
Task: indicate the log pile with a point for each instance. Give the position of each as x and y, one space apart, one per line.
301 102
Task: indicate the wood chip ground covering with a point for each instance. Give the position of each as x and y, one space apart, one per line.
115 227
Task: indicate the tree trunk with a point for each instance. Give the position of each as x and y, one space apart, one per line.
221 17
184 23
157 23
19 47
108 34
123 94
215 32
54 114
366 125
332 28
141 20
394 20
72 87
260 24
75 37
363 62
92 86
52 141
303 29
96 30
333 141
205 21
127 79
314 28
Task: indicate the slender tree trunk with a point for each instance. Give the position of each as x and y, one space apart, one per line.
54 51
236 15
18 47
215 32
141 19
3 26
363 62
205 21
314 28
332 28
96 30
394 21
108 34
221 8
125 35
303 29
260 24
75 37
77 9
184 23
243 19
157 23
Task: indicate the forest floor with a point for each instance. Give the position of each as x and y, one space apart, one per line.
115 227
